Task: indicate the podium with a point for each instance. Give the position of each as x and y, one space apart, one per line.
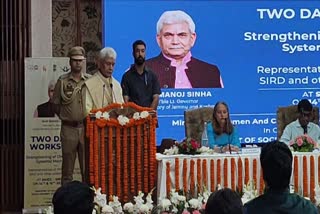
121 153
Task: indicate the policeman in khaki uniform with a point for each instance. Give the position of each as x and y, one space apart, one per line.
68 101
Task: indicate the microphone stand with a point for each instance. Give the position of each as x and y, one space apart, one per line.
104 88
305 128
229 143
112 92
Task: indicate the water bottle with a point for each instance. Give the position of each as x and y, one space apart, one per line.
204 137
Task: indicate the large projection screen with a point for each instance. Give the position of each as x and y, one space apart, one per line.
267 53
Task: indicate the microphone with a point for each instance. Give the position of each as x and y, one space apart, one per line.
305 127
112 92
104 88
227 126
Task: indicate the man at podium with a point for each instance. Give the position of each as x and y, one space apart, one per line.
102 88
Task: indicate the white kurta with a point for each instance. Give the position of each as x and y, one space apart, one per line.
101 91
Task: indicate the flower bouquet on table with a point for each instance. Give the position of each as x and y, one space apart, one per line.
303 143
189 146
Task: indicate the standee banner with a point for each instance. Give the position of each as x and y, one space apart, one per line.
43 156
267 53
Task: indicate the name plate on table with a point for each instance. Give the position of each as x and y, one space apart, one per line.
250 150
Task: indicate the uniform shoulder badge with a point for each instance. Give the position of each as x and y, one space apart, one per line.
64 76
87 76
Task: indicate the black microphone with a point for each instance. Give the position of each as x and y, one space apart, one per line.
229 143
104 88
112 92
305 127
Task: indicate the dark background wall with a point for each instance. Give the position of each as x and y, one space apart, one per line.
74 22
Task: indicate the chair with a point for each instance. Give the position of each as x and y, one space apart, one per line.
286 115
166 143
194 121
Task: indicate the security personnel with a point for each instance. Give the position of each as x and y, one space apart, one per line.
68 101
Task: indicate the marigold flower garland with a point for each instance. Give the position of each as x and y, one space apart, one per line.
168 179
153 151
98 151
103 162
125 166
312 174
145 160
120 105
246 170
212 175
139 158
110 161
254 173
184 173
132 161
225 172
233 175
192 179
91 164
199 180
96 157
296 173
101 122
204 173
118 166
218 171
240 184
114 122
177 174
305 180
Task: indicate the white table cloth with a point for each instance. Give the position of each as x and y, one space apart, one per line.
205 176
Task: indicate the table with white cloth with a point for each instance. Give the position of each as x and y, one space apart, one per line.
195 173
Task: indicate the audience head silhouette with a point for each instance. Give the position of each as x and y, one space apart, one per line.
73 197
224 201
276 163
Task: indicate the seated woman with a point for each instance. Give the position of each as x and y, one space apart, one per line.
222 135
